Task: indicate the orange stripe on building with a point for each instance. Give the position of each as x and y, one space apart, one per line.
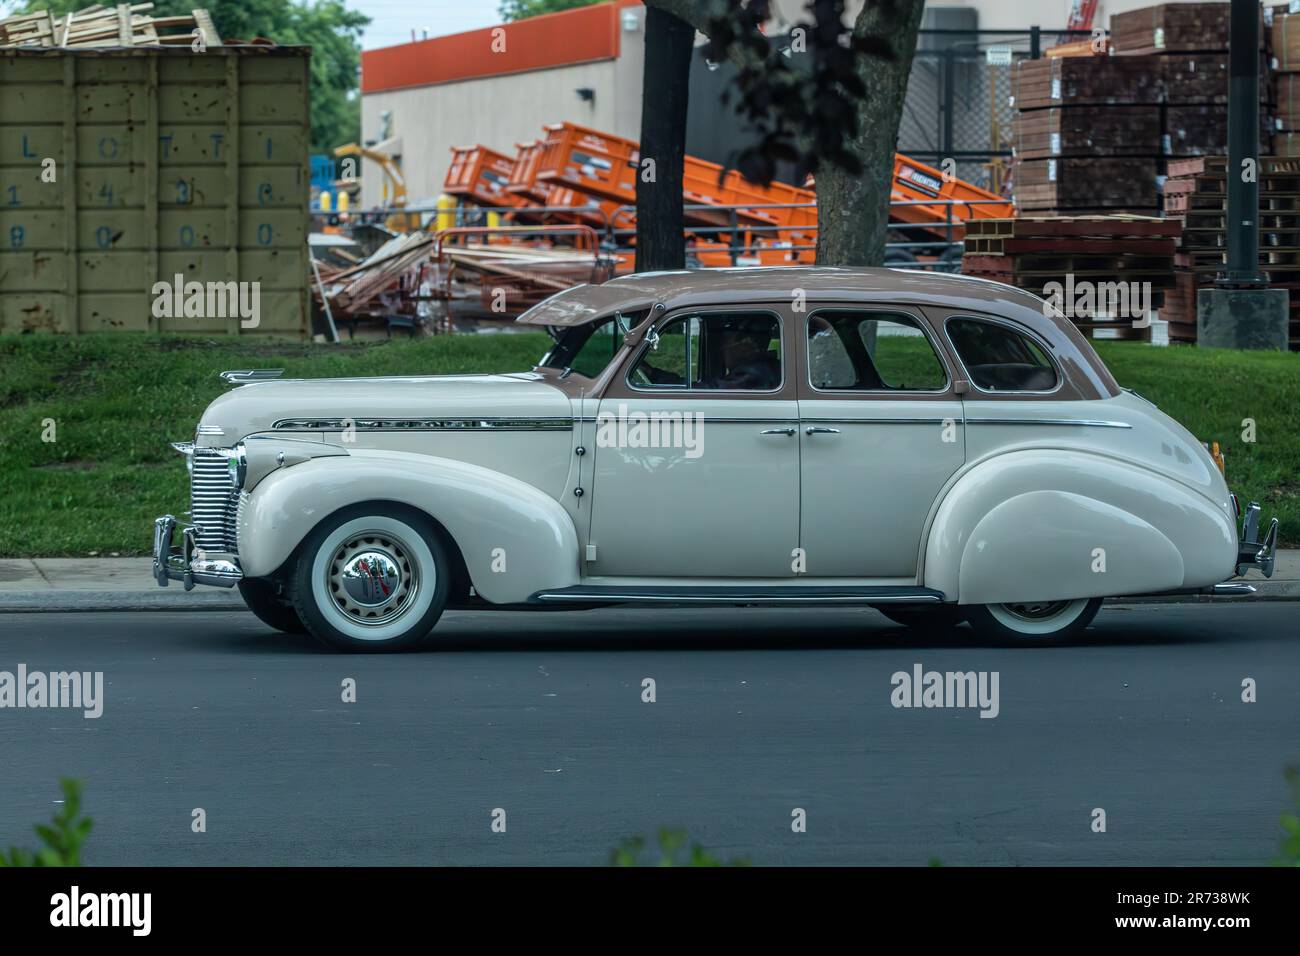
583 35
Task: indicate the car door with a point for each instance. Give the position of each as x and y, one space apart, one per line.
880 432
696 470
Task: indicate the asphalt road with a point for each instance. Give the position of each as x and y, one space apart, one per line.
757 712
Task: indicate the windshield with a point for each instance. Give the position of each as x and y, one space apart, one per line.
588 349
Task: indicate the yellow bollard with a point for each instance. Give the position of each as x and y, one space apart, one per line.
446 212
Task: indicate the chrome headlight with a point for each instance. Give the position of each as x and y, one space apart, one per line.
237 466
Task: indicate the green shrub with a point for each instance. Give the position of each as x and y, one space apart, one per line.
672 843
62 838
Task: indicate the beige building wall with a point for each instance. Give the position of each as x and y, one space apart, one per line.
501 111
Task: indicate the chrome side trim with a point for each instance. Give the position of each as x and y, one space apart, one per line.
884 421
423 424
1082 422
863 597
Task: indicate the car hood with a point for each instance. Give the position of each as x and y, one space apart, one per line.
259 406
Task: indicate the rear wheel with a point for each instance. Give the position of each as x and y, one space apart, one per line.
936 617
372 578
1037 622
269 605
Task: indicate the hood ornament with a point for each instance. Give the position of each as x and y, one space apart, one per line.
245 376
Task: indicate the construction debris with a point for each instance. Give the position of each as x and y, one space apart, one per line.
100 26
417 280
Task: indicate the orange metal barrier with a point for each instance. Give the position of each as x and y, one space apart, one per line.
481 175
595 174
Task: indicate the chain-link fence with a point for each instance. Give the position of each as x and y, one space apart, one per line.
958 102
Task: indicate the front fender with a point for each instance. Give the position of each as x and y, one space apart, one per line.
481 509
1055 525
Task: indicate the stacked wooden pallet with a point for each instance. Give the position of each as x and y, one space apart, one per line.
100 26
1196 191
1093 134
1082 256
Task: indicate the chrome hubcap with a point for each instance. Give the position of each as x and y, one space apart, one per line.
1037 611
372 578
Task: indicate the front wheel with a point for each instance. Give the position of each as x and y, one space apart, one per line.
371 578
1037 622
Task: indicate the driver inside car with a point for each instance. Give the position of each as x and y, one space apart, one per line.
746 362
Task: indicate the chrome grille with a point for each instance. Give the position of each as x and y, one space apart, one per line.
213 501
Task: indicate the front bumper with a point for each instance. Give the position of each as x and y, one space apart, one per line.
187 562
1252 551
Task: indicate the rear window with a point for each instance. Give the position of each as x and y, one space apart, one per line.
1000 359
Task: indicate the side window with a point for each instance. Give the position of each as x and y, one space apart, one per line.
1000 359
715 350
871 351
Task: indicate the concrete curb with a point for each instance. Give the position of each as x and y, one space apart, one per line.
14 602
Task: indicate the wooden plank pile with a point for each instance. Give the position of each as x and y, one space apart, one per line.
122 25
1032 253
1093 134
393 281
1170 28
1284 46
1196 191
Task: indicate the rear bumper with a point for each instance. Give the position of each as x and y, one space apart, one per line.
186 562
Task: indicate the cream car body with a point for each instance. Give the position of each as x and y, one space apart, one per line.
1036 483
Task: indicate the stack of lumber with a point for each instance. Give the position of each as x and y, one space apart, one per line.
410 268
1093 134
1284 46
1033 253
99 26
361 289
1170 28
1197 191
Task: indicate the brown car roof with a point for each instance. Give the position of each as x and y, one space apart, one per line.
700 287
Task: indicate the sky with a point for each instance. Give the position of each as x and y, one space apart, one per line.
393 20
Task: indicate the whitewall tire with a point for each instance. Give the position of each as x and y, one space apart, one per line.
1033 622
371 578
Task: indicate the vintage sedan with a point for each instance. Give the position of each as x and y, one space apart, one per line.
940 448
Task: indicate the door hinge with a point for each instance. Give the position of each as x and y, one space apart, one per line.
591 552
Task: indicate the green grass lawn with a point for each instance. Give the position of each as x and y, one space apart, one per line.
116 401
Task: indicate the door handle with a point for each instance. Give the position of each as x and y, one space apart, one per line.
778 431
820 430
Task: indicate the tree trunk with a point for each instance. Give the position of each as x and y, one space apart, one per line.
853 211
660 242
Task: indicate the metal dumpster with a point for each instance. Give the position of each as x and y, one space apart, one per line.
124 168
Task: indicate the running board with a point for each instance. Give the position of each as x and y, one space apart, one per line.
732 596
